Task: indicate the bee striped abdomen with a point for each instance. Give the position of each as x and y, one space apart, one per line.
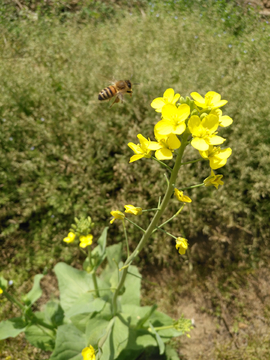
107 93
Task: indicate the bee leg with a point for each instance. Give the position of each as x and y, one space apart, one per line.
116 100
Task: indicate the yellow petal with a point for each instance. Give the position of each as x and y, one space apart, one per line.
135 158
194 124
158 103
198 97
199 144
179 129
153 145
163 154
210 122
168 95
173 142
215 140
164 127
225 121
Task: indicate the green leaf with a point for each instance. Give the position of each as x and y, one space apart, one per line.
133 287
116 341
12 327
114 255
170 353
40 337
95 329
72 284
69 343
36 291
137 315
85 304
158 338
3 283
53 313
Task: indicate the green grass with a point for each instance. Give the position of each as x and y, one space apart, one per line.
64 154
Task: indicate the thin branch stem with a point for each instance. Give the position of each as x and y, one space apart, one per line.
162 163
135 224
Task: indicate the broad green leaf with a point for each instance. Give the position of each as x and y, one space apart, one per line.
12 327
133 287
40 337
114 254
86 303
69 343
137 315
53 313
95 329
170 353
3 283
158 338
116 341
72 284
36 291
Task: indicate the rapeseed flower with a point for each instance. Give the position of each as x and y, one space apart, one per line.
168 98
167 145
1 291
173 121
142 150
224 120
214 180
86 240
212 100
117 215
88 353
181 245
216 156
70 238
181 197
130 209
204 132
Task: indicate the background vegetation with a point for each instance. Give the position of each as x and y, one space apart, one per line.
64 154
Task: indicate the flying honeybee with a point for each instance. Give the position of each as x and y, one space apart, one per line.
117 89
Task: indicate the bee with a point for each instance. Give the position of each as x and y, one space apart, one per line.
117 89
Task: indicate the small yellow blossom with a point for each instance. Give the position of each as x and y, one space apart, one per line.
173 121
216 156
181 197
212 100
86 240
167 144
117 215
224 120
130 209
181 245
142 150
1 291
168 98
70 238
214 180
88 353
204 132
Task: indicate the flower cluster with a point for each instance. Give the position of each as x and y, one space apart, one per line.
81 230
129 209
200 117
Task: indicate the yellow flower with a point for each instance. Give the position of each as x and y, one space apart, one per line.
70 238
181 245
88 353
1 291
141 150
168 98
224 120
86 240
212 100
216 156
117 215
181 197
130 209
214 180
204 132
173 121
165 146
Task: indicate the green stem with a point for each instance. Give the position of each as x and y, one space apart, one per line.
192 187
154 209
125 232
162 163
94 278
177 213
137 226
192 162
153 224
166 232
13 300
